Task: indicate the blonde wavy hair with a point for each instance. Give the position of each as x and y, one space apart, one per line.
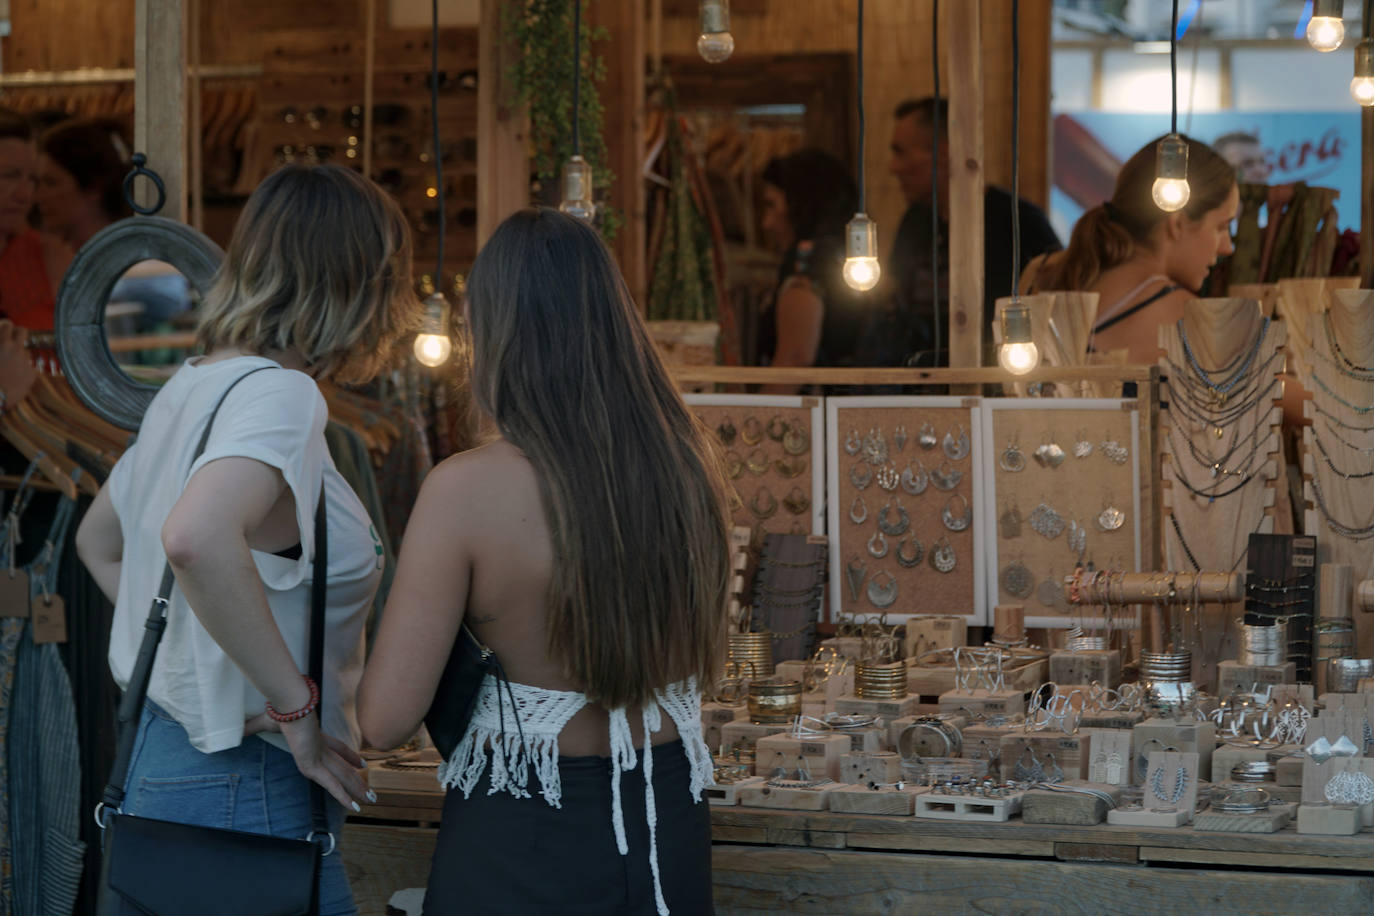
319 265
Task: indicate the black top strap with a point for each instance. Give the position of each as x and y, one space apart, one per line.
1158 294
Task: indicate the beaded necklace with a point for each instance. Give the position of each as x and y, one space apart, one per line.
1222 390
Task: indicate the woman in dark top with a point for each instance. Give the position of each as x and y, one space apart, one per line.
813 320
1145 263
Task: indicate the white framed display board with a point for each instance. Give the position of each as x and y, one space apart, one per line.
1062 478
780 483
905 500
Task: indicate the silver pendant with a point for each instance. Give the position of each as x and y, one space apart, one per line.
888 478
797 440
852 442
1010 523
912 559
1116 452
956 447
875 447
942 555
1051 593
861 475
1078 539
927 439
1111 518
945 477
1017 580
1012 460
914 482
899 437
957 522
855 571
1050 455
858 512
877 546
884 595
897 527
1047 522
1082 448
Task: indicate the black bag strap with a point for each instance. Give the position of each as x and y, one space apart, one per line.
131 705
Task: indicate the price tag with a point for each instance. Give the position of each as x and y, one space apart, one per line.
49 619
14 593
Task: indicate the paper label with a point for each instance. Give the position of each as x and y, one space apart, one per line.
49 620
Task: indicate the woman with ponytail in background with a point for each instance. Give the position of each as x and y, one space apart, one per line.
1145 263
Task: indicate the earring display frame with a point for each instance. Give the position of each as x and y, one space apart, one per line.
1075 489
922 587
715 409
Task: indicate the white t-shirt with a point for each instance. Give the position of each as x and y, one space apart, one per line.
277 417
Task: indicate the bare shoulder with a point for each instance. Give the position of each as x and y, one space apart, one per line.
472 478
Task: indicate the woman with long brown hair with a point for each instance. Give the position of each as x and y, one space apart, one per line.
586 547
1145 262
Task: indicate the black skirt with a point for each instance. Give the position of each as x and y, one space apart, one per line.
498 854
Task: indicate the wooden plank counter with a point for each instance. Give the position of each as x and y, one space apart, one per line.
768 861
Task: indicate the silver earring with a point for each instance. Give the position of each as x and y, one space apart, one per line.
858 512
1045 521
1116 452
1111 518
942 555
945 477
1017 580
1050 455
861 475
1082 448
888 478
1012 460
957 447
882 595
899 437
1010 523
927 439
852 442
957 522
900 526
909 560
914 482
796 441
875 447
877 546
1078 539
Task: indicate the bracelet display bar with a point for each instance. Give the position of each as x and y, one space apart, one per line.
862 799
1048 806
1271 821
794 799
851 705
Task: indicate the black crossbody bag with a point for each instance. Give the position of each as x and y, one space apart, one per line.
164 868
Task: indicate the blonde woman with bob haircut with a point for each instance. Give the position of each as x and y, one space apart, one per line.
316 283
586 547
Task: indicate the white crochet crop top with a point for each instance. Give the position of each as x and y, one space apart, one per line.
542 714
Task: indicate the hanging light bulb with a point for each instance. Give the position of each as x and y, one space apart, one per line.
861 268
1362 86
577 189
1018 353
433 345
1326 29
715 44
1170 189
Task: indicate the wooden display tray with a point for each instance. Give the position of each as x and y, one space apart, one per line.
729 794
766 796
1271 821
863 800
936 806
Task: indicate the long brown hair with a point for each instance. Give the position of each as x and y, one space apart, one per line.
630 484
1108 234
319 263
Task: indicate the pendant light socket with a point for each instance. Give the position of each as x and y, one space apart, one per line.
577 189
861 268
1326 28
1018 353
1170 190
1362 86
715 44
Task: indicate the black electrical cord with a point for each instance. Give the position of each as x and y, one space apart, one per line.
935 182
1015 148
1367 19
438 146
863 195
577 76
1173 71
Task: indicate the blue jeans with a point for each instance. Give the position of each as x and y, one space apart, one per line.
253 787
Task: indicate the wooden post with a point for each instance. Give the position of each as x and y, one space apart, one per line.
963 28
197 127
1367 198
622 96
160 99
502 160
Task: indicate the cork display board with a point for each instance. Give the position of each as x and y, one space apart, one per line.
773 450
906 492
1063 485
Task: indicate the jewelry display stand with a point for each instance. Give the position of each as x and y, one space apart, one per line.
1061 326
1170 793
1074 809
783 456
1220 445
1297 300
1111 756
816 798
1063 489
861 799
860 768
1338 448
727 793
1280 588
905 513
938 806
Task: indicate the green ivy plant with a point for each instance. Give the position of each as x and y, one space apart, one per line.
541 80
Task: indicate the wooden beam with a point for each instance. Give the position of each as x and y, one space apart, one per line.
160 99
622 100
1146 377
503 164
963 31
1367 198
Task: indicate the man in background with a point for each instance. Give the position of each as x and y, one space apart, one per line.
914 330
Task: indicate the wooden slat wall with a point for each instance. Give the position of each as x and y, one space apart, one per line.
897 66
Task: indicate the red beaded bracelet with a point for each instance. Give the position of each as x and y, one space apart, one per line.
304 711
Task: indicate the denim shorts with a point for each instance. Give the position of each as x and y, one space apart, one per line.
254 787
